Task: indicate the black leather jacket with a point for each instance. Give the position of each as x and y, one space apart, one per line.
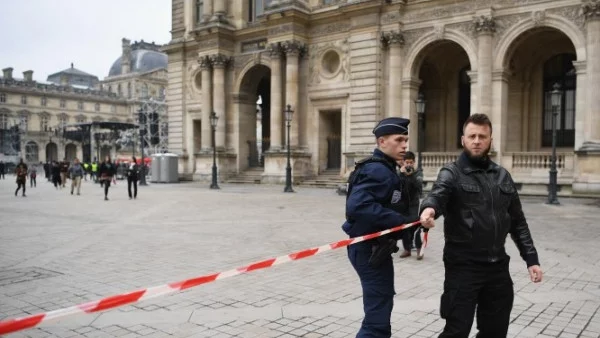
481 206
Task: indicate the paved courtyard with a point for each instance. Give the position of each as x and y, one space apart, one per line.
58 250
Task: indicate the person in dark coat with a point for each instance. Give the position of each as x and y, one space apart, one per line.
107 172
21 173
55 173
413 188
481 206
2 169
133 172
375 202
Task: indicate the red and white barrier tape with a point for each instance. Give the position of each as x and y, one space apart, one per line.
18 324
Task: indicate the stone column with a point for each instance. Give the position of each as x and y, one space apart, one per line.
188 16
207 10
207 104
485 27
499 112
220 11
591 11
276 97
219 62
293 50
581 134
410 93
395 42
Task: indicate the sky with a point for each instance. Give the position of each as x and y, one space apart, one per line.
46 36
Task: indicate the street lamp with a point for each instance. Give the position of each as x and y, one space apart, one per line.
142 123
555 99
420 103
213 126
288 170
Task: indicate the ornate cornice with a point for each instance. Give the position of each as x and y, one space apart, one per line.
484 24
220 60
275 49
294 48
392 38
591 10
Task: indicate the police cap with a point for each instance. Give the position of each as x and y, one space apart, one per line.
391 126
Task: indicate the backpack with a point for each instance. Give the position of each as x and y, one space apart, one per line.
357 169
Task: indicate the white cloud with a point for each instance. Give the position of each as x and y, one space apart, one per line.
47 35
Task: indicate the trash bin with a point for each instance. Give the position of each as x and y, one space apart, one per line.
155 168
168 168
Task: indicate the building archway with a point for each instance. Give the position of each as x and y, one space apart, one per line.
254 118
51 152
538 59
443 68
70 152
31 152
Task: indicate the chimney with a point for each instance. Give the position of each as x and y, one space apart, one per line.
7 73
64 80
28 75
126 57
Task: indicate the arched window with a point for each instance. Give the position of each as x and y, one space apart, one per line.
31 152
144 91
559 69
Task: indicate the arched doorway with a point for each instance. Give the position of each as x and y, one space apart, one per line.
255 116
442 68
538 59
31 152
51 152
70 152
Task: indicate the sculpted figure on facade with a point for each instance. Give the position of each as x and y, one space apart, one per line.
591 9
484 24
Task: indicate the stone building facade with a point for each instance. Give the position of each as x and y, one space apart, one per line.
39 109
73 96
342 65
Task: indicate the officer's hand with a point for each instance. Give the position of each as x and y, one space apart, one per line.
535 273
427 218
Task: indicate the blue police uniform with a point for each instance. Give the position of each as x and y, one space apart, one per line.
373 204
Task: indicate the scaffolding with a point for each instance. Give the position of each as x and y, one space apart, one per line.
153 126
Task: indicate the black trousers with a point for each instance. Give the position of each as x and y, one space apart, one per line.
485 287
130 182
408 235
106 186
32 181
19 185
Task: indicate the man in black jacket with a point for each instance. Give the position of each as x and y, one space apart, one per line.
413 188
481 207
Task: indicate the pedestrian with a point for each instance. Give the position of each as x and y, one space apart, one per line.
32 176
481 206
21 173
47 171
412 189
107 172
64 172
133 172
76 173
2 169
374 203
55 173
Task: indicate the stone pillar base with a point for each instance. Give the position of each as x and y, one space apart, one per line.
587 175
276 162
226 166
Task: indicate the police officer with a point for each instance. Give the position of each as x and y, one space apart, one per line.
481 206
373 203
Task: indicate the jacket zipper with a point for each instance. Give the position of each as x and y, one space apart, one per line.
487 179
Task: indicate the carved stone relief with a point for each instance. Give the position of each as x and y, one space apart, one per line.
484 24
590 9
538 17
281 29
332 28
390 17
204 44
504 23
439 12
342 47
464 27
410 37
573 13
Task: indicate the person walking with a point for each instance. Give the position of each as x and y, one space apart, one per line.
374 203
55 173
133 172
32 176
107 173
64 172
76 173
2 169
481 206
21 173
413 188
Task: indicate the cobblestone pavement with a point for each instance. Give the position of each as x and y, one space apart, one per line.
58 250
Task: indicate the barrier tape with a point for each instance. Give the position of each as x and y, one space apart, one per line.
22 323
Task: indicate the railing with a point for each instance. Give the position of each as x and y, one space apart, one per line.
437 159
539 160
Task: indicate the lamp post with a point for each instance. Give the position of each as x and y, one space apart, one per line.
142 122
420 103
213 127
288 170
555 98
